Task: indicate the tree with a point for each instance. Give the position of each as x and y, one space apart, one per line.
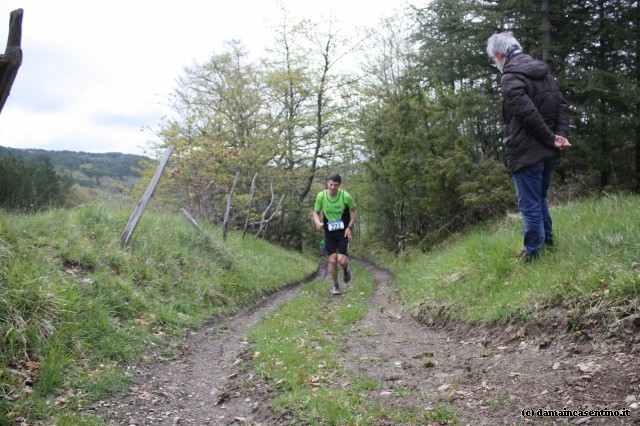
12 59
312 101
602 76
283 118
220 129
30 186
436 144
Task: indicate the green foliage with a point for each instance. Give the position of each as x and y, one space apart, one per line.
286 118
76 305
435 178
30 186
452 38
601 76
435 146
480 276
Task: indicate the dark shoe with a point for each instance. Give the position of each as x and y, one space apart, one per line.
549 245
336 289
347 275
530 257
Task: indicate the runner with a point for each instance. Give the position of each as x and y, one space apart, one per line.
339 213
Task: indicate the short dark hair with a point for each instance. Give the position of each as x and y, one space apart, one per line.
334 177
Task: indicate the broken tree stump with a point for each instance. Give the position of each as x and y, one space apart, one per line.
12 58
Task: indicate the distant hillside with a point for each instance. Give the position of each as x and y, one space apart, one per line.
93 166
104 178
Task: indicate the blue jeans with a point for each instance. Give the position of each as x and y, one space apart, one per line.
532 184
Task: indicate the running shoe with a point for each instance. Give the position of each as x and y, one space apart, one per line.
347 275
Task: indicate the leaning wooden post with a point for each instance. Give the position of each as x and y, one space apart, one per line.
191 220
12 58
142 204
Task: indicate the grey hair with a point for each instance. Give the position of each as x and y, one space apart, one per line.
502 43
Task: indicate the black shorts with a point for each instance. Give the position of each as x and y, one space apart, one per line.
336 242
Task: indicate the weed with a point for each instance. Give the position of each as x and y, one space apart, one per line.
499 401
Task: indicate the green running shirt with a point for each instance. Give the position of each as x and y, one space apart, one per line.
334 209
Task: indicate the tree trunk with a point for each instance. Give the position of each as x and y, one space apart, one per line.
546 31
320 128
12 58
636 121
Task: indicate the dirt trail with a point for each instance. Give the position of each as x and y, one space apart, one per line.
487 376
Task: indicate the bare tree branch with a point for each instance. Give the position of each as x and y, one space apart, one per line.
226 214
271 217
253 186
264 214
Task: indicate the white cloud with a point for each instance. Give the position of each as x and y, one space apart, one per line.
96 72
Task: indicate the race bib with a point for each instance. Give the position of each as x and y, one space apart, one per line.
335 225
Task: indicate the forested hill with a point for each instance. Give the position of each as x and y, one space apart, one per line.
92 165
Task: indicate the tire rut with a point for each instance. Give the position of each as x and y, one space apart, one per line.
204 385
486 375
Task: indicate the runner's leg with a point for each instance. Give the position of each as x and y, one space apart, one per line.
331 243
343 258
333 266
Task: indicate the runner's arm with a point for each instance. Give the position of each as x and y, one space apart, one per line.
354 215
317 220
347 231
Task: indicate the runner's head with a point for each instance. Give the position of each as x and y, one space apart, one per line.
333 183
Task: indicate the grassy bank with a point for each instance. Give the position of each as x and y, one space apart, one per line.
76 306
595 266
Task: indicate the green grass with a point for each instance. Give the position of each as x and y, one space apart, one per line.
297 353
479 276
76 306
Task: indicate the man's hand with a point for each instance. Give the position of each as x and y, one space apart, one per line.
317 221
347 233
561 143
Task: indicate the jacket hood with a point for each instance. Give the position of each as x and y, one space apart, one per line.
521 63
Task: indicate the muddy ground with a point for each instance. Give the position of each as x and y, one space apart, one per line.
486 375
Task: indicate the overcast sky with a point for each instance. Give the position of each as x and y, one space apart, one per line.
95 73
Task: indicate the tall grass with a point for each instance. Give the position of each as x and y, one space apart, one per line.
480 276
76 305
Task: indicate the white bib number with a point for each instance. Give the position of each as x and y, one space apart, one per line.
335 225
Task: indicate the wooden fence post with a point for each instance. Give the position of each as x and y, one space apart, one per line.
142 204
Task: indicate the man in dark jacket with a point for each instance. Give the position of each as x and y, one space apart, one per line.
536 127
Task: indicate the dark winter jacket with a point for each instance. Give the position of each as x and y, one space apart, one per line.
533 109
